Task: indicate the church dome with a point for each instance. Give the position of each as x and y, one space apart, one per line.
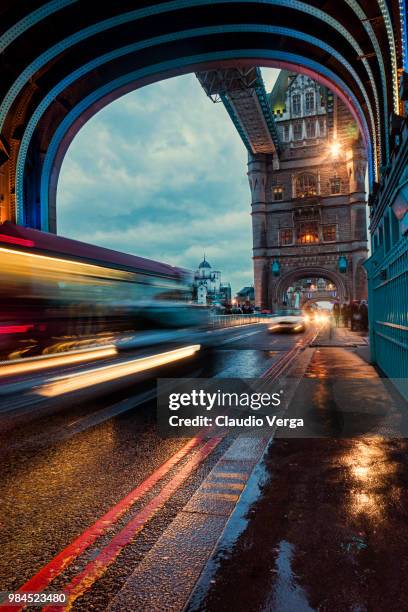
204 264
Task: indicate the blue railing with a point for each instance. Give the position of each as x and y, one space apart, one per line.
388 301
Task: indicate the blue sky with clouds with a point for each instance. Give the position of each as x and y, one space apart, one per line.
161 173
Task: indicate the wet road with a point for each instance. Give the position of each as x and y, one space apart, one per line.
64 469
325 528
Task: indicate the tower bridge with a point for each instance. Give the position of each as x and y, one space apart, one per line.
107 503
62 61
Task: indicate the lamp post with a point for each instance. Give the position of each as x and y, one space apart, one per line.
342 264
275 268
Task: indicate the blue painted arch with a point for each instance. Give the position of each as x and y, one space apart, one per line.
104 95
174 5
376 117
177 36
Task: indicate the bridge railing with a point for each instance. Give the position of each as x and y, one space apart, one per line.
388 299
234 320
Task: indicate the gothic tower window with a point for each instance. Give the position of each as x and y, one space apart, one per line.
306 185
310 128
297 130
329 233
322 127
286 133
335 185
286 236
277 193
310 101
308 232
296 105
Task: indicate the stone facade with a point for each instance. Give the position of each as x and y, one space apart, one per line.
309 201
207 285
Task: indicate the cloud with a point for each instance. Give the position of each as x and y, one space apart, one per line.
161 173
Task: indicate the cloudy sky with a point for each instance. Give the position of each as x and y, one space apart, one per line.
161 173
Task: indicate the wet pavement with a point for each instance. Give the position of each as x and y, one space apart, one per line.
326 529
318 524
64 469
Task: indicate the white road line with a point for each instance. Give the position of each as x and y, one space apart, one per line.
239 337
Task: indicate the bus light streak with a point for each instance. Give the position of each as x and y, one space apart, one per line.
26 366
79 380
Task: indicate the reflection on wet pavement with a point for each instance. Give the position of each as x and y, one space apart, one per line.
371 472
286 593
243 363
328 531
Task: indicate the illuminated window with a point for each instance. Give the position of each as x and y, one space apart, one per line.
310 129
306 185
308 233
335 185
277 193
329 233
296 106
297 131
286 236
310 101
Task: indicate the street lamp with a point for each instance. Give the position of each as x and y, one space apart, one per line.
342 264
276 268
335 148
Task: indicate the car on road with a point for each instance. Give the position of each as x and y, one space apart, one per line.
291 320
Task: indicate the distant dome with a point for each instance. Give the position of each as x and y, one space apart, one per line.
204 264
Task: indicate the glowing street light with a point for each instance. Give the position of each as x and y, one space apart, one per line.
335 148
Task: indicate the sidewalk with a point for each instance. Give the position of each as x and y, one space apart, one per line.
340 336
326 525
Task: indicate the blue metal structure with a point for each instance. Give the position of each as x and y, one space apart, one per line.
387 270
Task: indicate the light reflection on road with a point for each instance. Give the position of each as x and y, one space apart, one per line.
371 472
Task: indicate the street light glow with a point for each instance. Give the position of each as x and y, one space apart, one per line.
335 148
26 366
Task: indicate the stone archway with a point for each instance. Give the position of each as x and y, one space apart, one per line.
280 286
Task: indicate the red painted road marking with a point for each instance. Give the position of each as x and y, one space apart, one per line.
97 567
50 571
107 556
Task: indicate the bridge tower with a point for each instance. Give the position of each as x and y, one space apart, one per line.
308 199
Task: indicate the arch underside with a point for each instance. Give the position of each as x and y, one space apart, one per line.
314 300
67 74
288 279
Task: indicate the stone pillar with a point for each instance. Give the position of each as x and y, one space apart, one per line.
257 177
357 167
7 197
4 193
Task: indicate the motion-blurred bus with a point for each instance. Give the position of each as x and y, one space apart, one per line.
56 291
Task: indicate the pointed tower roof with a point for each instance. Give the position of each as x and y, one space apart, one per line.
204 263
